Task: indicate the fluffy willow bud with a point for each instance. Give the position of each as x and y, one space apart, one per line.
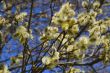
75 29
56 56
52 29
65 26
74 70
70 48
50 62
21 16
100 11
46 60
22 34
84 40
64 16
4 69
96 4
85 4
67 10
2 21
93 13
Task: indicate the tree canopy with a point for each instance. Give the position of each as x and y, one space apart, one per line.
59 36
